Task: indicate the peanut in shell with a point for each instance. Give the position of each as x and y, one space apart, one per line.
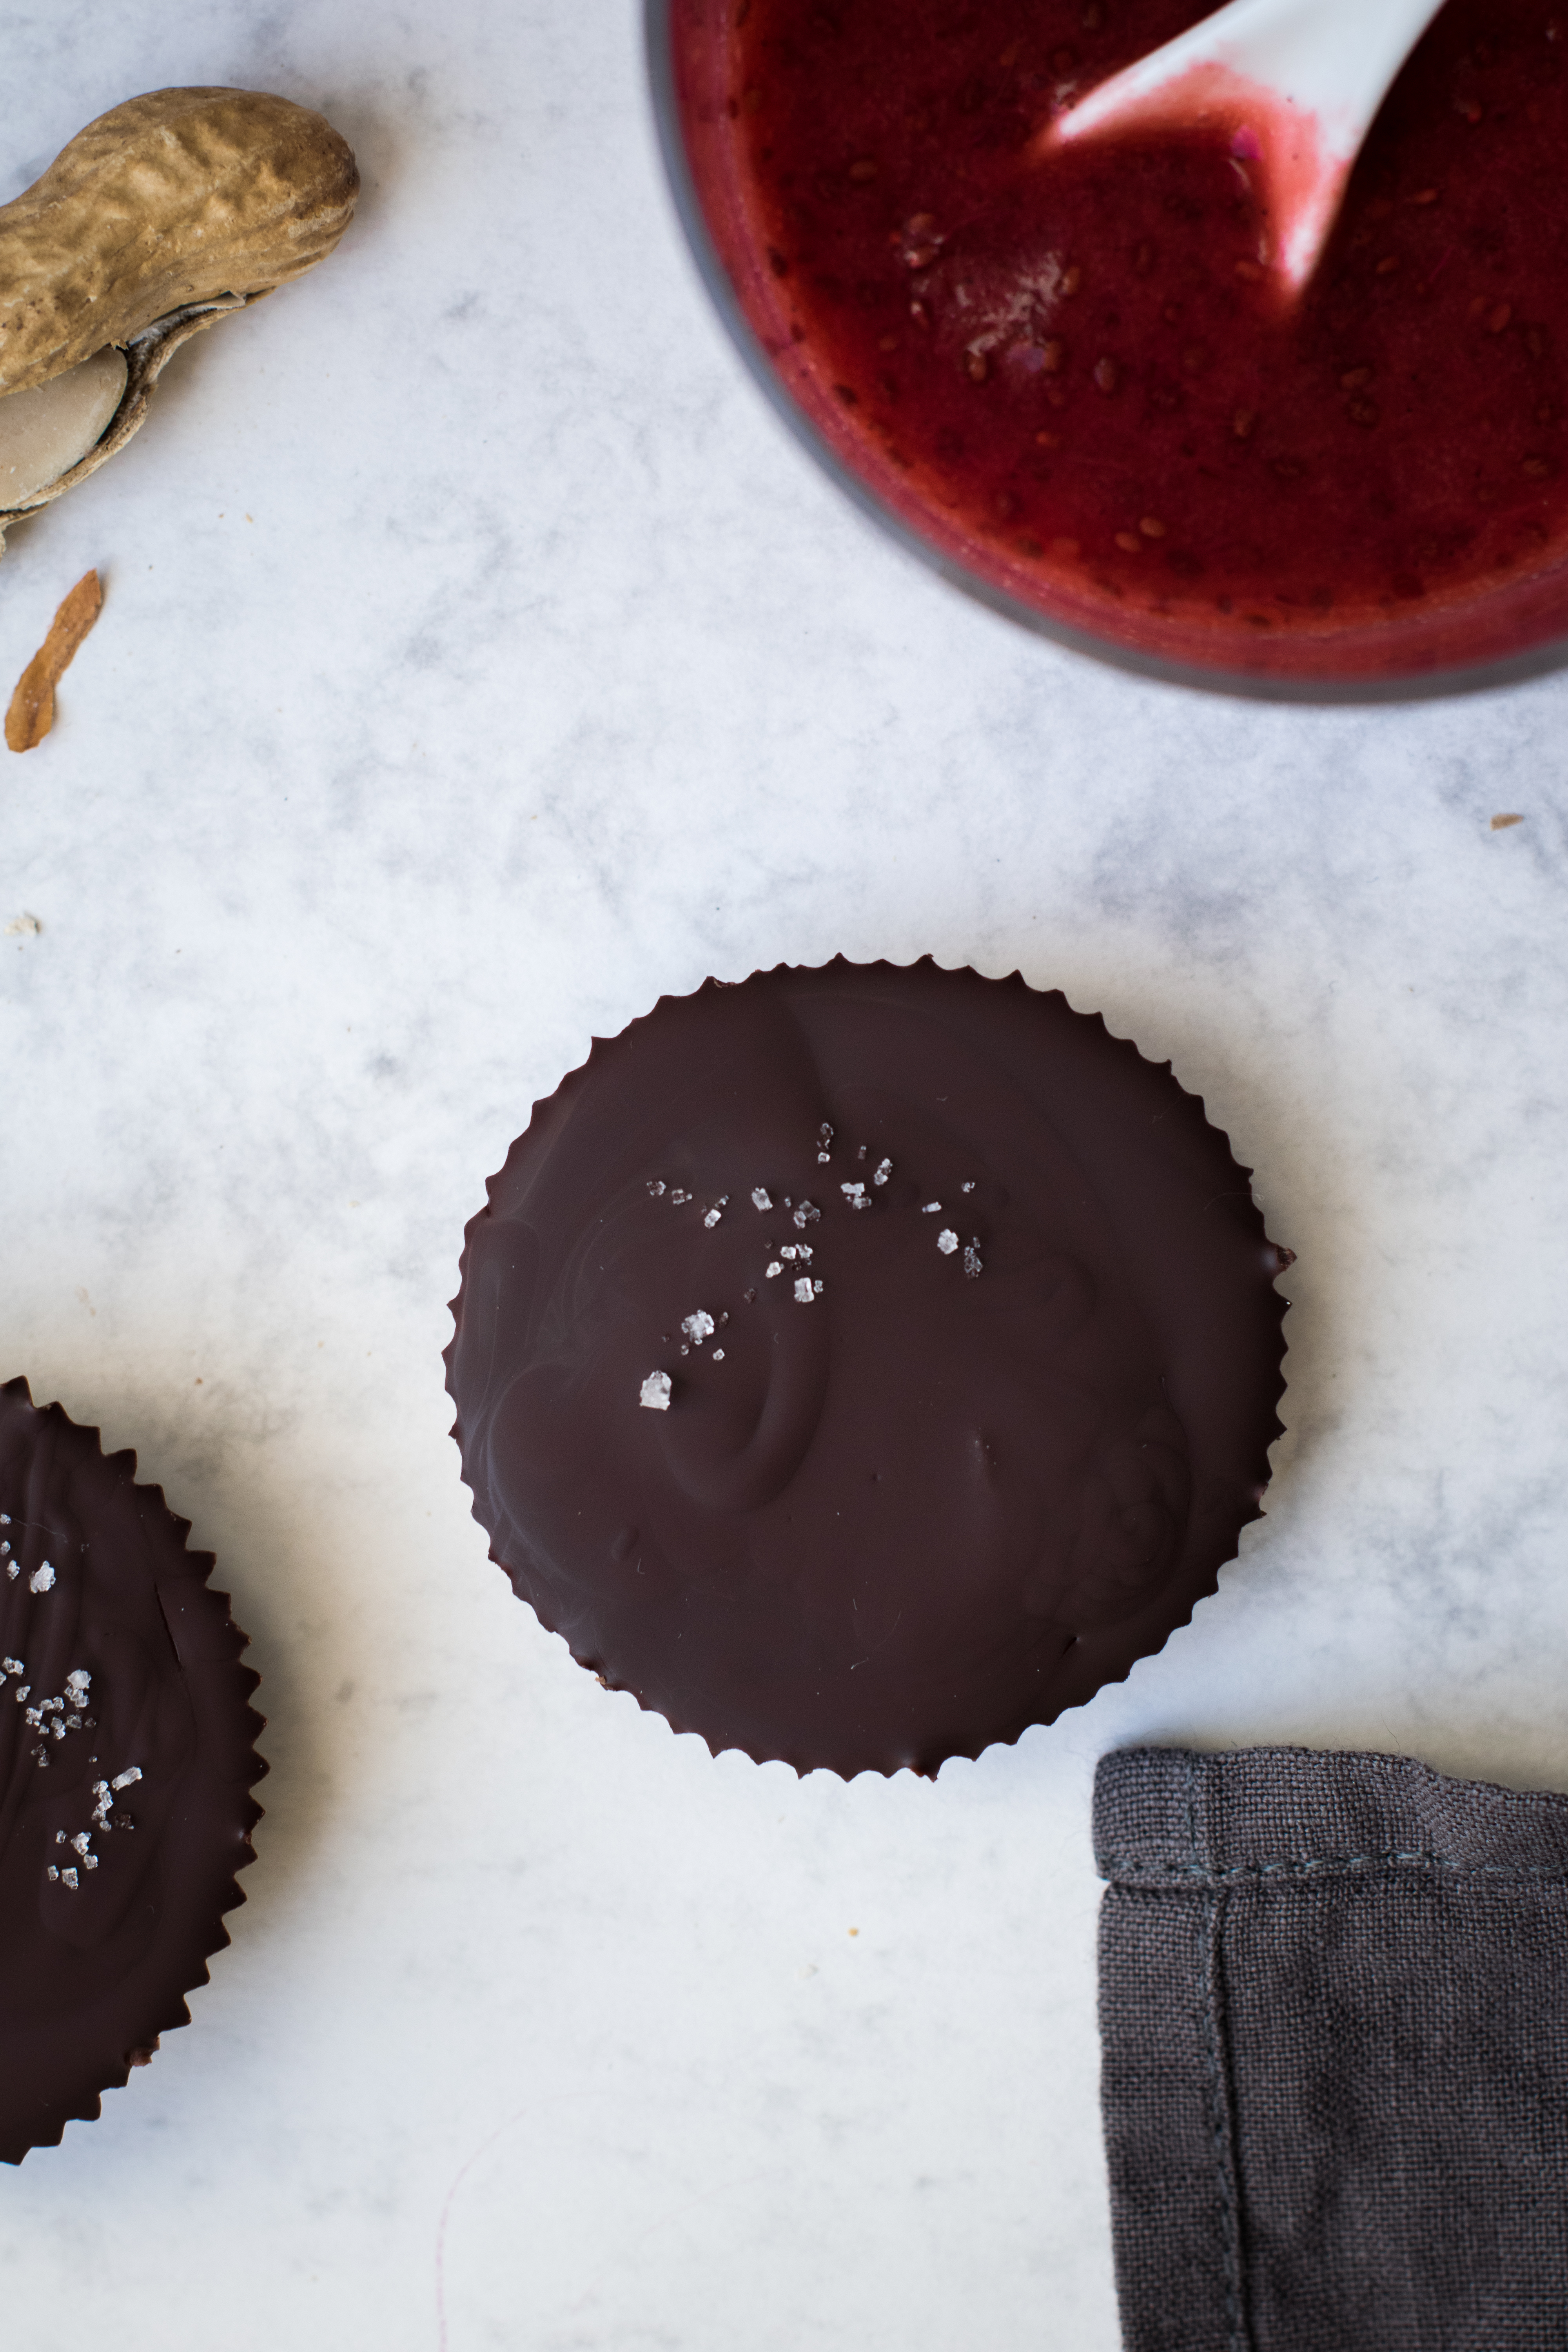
164 214
168 200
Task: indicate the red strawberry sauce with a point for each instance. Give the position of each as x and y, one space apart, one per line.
1070 370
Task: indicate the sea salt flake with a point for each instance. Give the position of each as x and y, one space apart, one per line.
804 1290
52 1872
77 1683
931 1209
125 1779
882 1172
655 1394
69 1877
718 1355
711 1219
947 1241
678 1199
655 1187
15 1666
10 1568
760 1197
807 1215
969 1187
856 1195
971 1261
699 1326
861 1153
816 1287
42 1579
769 1272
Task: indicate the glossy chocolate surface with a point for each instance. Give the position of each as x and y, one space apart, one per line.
987 1391
126 1765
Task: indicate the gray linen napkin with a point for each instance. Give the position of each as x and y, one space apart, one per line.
1334 2021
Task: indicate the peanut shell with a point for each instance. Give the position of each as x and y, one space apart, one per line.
180 198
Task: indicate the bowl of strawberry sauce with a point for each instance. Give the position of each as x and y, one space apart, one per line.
1068 377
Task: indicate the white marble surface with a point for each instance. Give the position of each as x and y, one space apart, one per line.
479 661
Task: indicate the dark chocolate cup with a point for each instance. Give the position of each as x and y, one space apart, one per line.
121 1834
998 1452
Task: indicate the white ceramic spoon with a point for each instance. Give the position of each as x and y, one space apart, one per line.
1295 82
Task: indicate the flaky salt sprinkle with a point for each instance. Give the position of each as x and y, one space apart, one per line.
711 1219
947 1241
972 1260
655 1394
807 1215
718 1355
856 1195
797 1253
770 1270
699 1326
805 1291
104 1793
760 1199
931 1209
882 1172
42 1579
969 1187
655 1187
824 1137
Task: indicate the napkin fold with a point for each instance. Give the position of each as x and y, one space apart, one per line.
1334 2023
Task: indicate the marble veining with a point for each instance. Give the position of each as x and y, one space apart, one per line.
478 661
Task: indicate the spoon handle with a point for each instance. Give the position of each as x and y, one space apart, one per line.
1297 81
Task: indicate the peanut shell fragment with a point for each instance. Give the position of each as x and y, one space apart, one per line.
32 712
